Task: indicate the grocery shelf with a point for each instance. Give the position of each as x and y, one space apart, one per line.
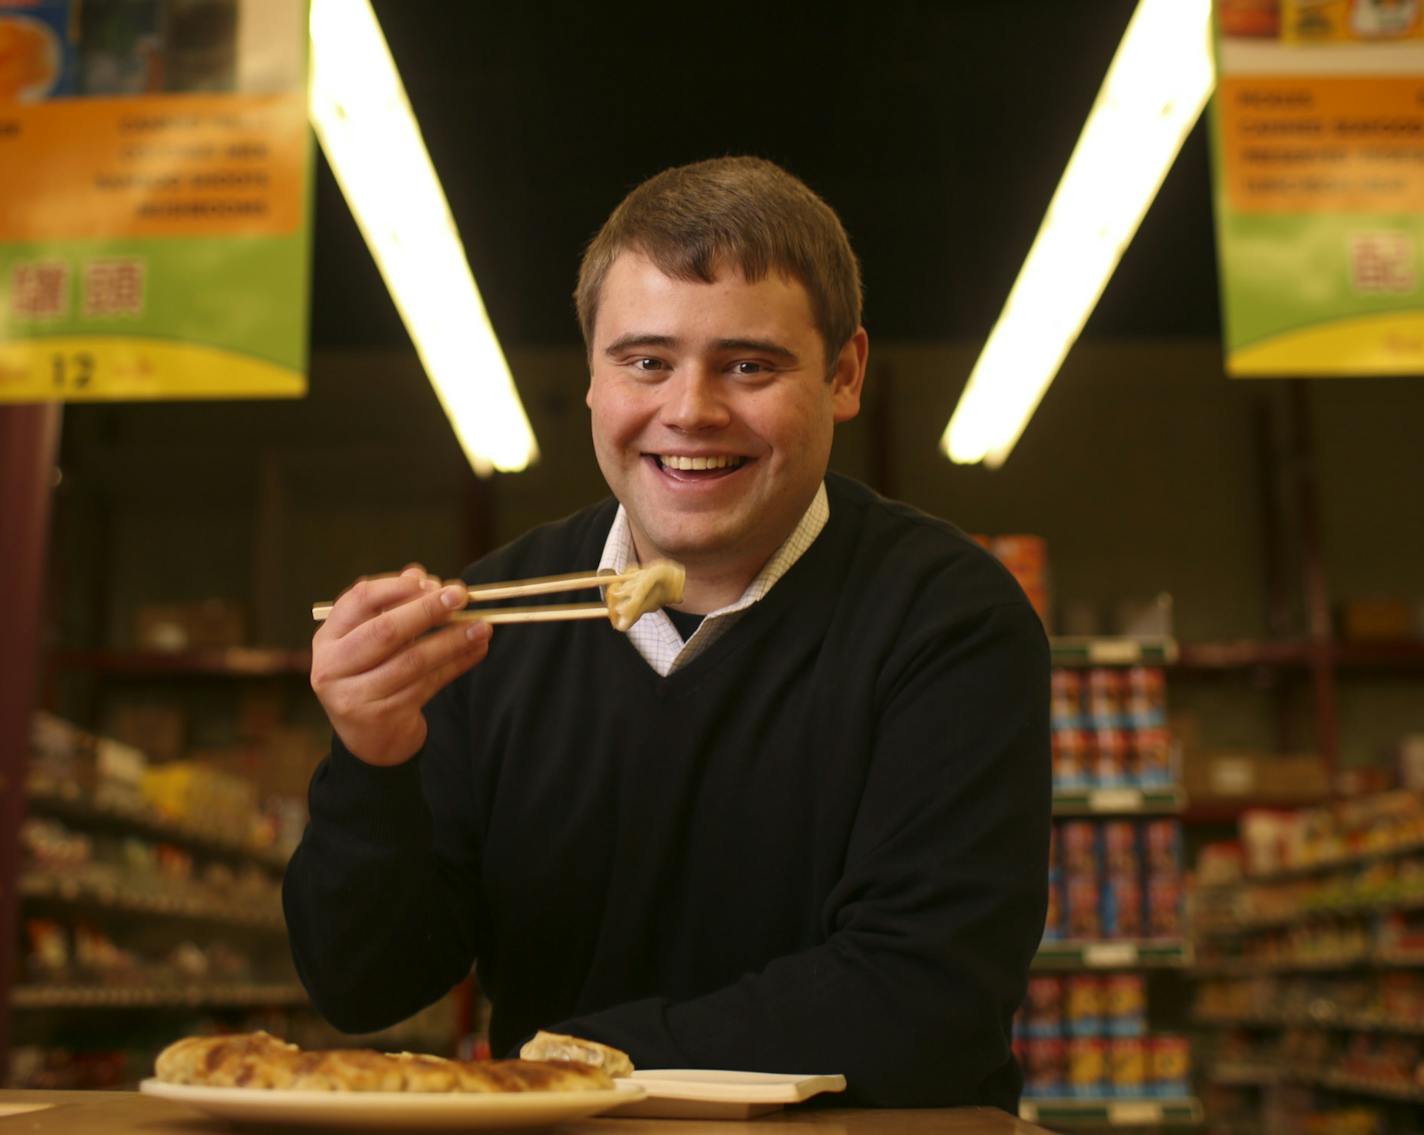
1358 1084
1088 650
1249 967
1242 1074
235 662
88 892
67 802
202 995
1138 953
1113 1113
1241 654
1232 1073
1323 866
1228 811
1118 801
1343 1022
1406 653
1309 914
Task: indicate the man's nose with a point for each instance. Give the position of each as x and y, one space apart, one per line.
695 401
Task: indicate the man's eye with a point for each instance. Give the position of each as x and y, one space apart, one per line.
748 368
647 364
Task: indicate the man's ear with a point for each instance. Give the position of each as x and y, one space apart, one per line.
849 376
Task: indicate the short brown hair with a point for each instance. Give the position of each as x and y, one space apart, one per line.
743 210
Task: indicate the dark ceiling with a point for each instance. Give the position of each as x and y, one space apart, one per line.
938 131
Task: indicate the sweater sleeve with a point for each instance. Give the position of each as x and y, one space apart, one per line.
379 911
937 913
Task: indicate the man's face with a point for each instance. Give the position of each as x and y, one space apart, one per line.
712 413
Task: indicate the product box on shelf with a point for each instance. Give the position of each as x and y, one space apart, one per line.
1233 776
1409 757
1086 1036
194 793
206 624
1373 619
61 753
159 729
1026 557
1115 879
1110 729
119 772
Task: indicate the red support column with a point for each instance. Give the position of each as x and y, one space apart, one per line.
29 437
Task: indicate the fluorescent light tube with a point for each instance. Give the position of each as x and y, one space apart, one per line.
1153 93
364 121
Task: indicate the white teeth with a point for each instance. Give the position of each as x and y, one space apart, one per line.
673 461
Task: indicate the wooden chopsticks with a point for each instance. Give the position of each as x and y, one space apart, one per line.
515 589
628 596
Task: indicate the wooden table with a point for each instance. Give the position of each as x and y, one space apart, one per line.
128 1113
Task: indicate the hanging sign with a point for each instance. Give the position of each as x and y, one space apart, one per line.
1318 147
154 200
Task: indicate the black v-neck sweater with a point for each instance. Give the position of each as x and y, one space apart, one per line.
821 846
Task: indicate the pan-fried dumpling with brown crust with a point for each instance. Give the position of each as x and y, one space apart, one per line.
258 1060
560 1046
248 1060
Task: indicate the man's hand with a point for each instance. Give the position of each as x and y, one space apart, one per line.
374 666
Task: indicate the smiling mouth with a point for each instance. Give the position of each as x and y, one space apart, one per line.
721 463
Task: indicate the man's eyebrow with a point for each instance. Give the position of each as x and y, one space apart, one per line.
628 342
639 340
758 346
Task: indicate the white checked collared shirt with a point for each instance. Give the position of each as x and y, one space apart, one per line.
654 636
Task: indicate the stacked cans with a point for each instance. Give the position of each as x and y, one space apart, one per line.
1026 557
1110 729
1115 879
1085 1036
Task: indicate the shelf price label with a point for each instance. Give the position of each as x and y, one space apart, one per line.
1115 800
1105 955
1134 1112
1114 651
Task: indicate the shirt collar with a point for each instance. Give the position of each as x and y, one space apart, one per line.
654 636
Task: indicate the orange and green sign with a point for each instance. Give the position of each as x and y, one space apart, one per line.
155 203
1318 141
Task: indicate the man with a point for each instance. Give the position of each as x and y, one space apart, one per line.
798 823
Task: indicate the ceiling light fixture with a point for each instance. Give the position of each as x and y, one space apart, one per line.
1154 91
364 122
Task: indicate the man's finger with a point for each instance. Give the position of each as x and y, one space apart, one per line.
407 676
384 637
443 675
367 598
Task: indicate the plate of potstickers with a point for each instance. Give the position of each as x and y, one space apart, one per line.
257 1078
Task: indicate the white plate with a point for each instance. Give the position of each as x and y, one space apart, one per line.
415 1111
702 1093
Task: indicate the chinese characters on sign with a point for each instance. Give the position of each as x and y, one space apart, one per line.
113 287
39 290
1383 263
